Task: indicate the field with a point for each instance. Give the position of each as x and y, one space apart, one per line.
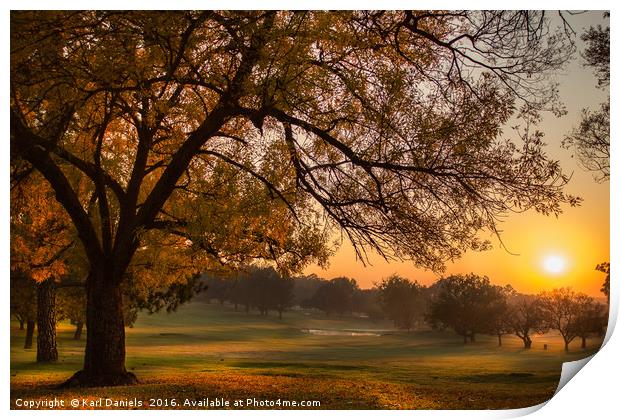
211 351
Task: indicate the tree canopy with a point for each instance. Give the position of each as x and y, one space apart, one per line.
389 120
469 304
401 300
335 296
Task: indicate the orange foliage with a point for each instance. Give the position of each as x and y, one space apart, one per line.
40 231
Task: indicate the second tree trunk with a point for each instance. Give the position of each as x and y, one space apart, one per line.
46 322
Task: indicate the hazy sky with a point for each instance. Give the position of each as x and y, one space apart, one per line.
579 238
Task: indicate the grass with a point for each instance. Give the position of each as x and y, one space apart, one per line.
210 351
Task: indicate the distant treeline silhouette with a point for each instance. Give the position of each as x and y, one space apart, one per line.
467 304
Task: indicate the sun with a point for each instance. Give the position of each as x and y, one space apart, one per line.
554 264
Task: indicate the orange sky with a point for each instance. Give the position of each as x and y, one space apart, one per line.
580 236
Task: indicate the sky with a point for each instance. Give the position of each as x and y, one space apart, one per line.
545 252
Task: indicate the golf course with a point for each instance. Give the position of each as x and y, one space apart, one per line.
212 351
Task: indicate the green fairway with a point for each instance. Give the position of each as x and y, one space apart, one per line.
208 350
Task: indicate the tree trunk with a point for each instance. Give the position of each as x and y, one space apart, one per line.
280 314
104 357
78 330
472 338
583 342
29 333
21 325
527 342
499 340
46 322
565 345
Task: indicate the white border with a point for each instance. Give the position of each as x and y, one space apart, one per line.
593 393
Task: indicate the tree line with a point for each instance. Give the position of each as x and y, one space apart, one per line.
471 305
263 289
468 304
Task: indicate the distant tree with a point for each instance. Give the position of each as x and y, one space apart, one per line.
261 287
590 141
589 319
71 293
526 316
305 287
282 294
466 304
168 297
72 307
335 296
30 325
367 301
217 287
499 315
264 282
130 315
401 301
604 268
560 311
242 289
24 303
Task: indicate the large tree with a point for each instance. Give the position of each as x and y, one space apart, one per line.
390 122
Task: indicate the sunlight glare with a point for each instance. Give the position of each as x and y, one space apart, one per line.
554 264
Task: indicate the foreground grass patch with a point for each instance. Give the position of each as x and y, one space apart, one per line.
207 351
330 393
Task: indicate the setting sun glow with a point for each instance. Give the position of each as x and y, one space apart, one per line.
554 264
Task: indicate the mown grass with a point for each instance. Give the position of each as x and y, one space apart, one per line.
208 350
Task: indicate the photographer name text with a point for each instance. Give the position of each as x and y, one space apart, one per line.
160 403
